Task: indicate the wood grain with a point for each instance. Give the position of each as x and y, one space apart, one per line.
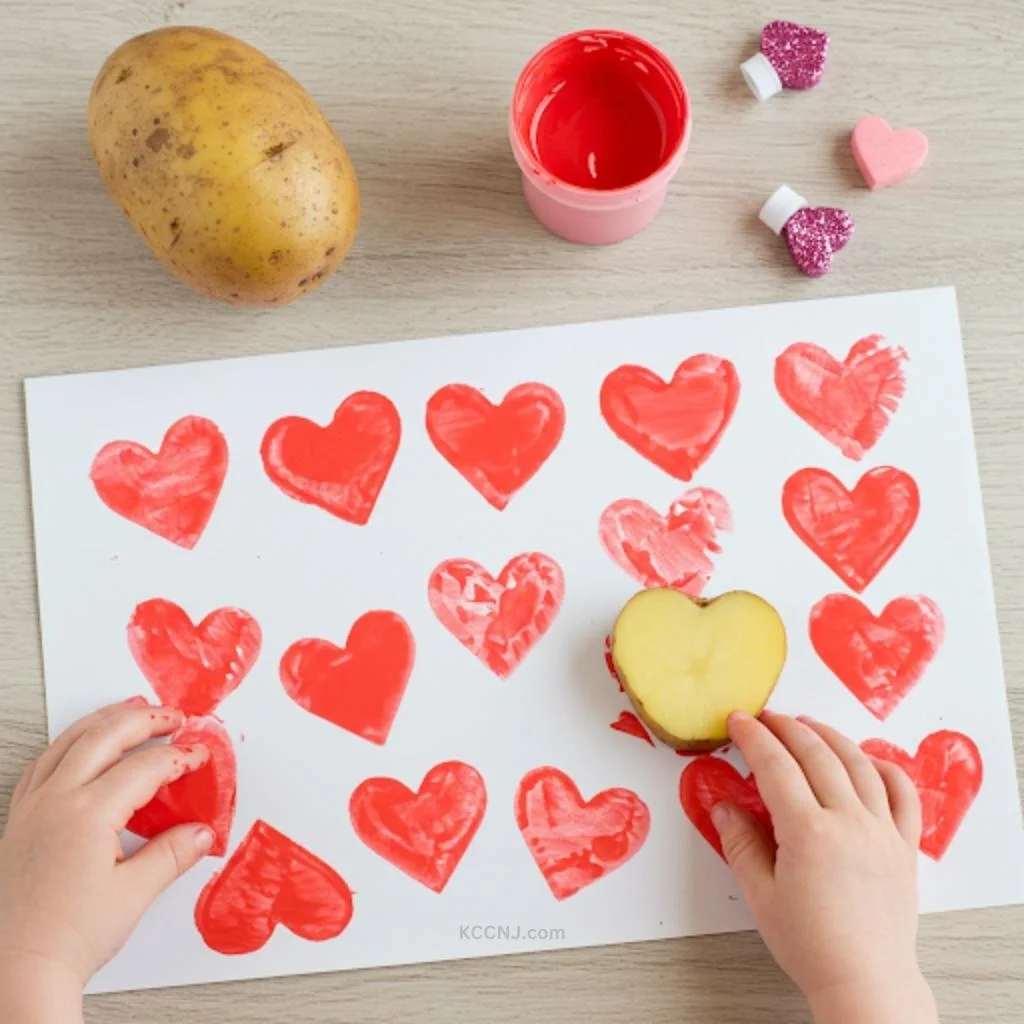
418 90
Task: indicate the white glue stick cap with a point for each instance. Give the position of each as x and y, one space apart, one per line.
762 78
781 206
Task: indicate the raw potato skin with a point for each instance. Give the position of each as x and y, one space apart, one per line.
691 746
224 164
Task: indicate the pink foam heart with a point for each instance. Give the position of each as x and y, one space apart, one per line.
814 234
884 156
797 52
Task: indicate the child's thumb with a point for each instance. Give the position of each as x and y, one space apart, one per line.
165 859
744 846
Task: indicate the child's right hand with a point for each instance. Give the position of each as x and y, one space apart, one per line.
836 903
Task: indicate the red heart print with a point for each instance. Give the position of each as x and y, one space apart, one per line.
359 686
171 493
707 781
426 833
675 425
271 880
193 668
814 234
629 724
342 467
206 795
667 551
797 52
947 772
878 659
576 842
848 403
497 448
853 533
499 620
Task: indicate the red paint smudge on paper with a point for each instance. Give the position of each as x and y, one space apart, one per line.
577 842
424 834
878 658
709 781
359 686
496 448
499 620
271 880
667 551
192 668
947 771
342 467
171 493
678 424
610 663
628 723
853 533
206 795
848 403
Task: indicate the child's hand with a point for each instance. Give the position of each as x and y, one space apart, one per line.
836 903
68 898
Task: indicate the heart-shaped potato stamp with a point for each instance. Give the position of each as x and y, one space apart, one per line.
687 663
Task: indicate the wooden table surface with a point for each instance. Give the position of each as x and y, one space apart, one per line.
418 90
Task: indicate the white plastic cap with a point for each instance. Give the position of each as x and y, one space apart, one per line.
762 78
781 206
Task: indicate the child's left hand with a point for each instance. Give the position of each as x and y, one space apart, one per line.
69 898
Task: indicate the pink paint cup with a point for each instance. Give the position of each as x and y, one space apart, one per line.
599 124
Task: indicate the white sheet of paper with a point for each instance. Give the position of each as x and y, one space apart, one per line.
304 573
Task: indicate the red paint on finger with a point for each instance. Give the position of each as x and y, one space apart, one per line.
854 533
270 880
424 834
497 448
708 781
206 794
879 659
342 467
947 771
678 424
171 493
576 842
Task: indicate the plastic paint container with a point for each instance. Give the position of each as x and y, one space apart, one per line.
599 124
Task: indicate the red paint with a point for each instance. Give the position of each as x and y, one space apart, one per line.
171 493
879 659
501 619
359 686
676 425
947 772
667 551
628 723
601 110
848 403
708 781
342 467
497 448
610 663
853 533
193 668
576 842
426 833
271 880
206 795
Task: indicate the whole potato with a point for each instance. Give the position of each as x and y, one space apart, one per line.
224 164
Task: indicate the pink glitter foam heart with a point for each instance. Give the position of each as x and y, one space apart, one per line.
813 234
797 52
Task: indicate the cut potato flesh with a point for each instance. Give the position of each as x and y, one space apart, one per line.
687 663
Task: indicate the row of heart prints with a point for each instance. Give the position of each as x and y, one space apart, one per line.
342 468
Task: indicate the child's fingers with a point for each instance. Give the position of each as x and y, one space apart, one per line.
861 769
127 786
903 799
162 861
780 780
24 783
824 771
105 742
54 754
746 850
